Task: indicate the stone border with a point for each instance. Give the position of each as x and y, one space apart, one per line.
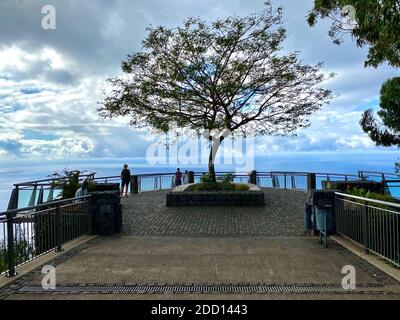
371 258
182 188
30 270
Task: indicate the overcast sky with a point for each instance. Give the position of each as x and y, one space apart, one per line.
51 81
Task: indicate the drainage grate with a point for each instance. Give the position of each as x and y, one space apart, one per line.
370 288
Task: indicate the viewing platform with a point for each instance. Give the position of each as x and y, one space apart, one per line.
225 252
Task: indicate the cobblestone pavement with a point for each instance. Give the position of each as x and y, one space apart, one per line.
146 214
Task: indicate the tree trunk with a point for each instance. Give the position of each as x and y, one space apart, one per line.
213 152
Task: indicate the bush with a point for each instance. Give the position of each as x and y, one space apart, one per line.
24 251
68 181
224 183
359 192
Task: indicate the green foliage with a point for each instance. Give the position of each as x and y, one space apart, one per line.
359 192
378 26
24 251
387 134
228 74
224 183
68 181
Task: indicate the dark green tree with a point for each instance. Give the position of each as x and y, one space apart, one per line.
377 24
386 131
228 74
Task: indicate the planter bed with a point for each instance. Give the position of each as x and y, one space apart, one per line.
180 197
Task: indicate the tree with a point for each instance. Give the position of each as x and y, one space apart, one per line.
228 74
387 132
377 24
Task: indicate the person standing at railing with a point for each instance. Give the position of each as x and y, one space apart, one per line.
83 190
125 180
178 177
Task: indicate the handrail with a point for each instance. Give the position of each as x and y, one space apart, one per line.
103 178
38 182
33 183
377 172
45 204
391 204
305 173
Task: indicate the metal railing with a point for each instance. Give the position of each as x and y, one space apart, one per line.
27 233
372 223
31 193
298 180
391 181
42 191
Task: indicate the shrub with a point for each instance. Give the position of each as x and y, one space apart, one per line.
24 251
68 181
359 192
224 183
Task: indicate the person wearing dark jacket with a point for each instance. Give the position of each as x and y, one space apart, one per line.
125 180
178 177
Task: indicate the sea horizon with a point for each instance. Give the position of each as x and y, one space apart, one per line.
343 162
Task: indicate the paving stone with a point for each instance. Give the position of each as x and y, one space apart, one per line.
147 214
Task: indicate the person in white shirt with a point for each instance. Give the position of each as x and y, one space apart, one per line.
83 190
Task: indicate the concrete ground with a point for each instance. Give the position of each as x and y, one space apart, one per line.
173 260
207 246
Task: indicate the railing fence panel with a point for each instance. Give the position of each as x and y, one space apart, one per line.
373 224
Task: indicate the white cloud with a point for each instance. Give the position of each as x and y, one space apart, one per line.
51 82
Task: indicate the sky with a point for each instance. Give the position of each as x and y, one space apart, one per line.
51 81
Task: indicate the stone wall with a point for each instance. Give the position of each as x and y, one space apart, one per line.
216 199
106 213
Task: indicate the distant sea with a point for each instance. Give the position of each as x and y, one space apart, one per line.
16 171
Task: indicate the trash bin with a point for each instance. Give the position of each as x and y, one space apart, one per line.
324 222
324 218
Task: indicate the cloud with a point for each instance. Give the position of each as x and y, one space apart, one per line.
51 81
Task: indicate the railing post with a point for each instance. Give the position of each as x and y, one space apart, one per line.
10 245
284 176
253 177
311 181
191 177
90 215
13 203
365 227
58 229
134 184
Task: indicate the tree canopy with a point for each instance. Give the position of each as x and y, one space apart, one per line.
387 132
377 25
228 74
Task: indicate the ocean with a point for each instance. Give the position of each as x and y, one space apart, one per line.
17 171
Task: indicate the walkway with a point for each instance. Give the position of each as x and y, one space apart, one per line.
233 253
